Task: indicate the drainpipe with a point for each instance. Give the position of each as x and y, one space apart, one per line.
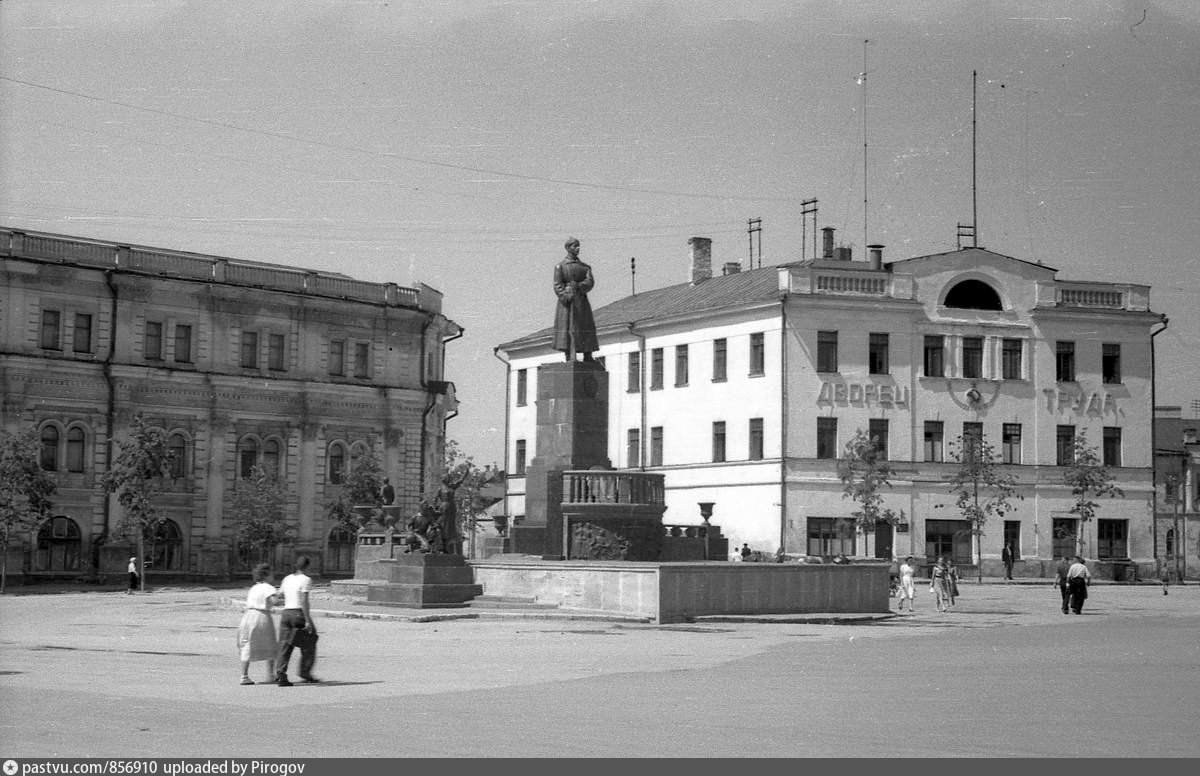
507 419
642 391
431 402
1154 455
783 417
110 413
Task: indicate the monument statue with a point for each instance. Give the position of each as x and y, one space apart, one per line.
447 508
574 327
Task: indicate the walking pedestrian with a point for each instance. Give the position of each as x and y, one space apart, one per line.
1078 578
256 631
1060 579
296 626
1006 556
134 578
745 551
907 590
939 585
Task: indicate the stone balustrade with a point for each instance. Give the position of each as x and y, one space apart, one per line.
613 487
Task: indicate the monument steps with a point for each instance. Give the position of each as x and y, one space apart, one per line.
507 602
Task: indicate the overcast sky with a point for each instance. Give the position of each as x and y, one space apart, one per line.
459 143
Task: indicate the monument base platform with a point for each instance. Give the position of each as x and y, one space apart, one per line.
412 580
679 592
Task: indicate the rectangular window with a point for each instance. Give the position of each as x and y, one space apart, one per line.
152 348
1111 362
276 352
827 438
362 359
634 375
656 445
935 355
1012 537
249 350
718 361
827 351
1111 538
183 343
337 357
1112 446
831 536
877 354
934 436
1010 443
520 457
972 357
82 341
758 354
656 369
948 539
877 430
756 439
51 330
681 365
522 387
1064 361
633 448
1010 359
972 440
718 441
75 450
1064 446
1063 531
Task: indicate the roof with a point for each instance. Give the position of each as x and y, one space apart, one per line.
961 252
1168 434
722 291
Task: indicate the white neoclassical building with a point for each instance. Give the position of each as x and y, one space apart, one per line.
743 387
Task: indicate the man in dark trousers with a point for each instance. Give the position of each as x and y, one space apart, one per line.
296 627
1006 555
1060 579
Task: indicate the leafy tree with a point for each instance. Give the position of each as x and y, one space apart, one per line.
136 476
1089 479
981 489
460 468
25 490
258 517
865 472
360 488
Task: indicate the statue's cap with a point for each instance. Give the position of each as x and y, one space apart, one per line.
570 241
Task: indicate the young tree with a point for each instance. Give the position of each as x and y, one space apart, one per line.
981 489
360 488
460 468
258 517
25 490
864 473
1089 479
136 476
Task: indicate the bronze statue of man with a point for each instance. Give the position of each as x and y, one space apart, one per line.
574 327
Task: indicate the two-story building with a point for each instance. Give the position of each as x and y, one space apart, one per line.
743 388
1177 464
240 362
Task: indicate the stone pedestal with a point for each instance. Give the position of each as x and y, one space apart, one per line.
572 433
386 574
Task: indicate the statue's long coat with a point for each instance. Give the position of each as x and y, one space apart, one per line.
573 322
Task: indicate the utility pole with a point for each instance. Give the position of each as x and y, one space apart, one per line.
753 227
807 207
633 275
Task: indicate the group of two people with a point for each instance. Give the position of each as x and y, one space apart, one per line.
256 637
943 583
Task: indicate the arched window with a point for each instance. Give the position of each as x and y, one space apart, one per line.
177 447
270 458
75 449
49 460
247 457
337 463
58 545
164 546
973 295
339 550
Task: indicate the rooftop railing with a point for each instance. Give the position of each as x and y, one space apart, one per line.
613 487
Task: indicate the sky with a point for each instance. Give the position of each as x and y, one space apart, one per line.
460 143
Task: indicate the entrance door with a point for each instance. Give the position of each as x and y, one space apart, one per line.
883 541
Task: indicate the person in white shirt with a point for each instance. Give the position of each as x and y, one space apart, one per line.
1078 578
907 589
133 576
296 626
256 631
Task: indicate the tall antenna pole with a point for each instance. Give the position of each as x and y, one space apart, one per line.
808 207
753 227
974 179
633 275
864 112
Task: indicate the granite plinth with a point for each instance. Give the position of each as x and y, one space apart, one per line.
385 574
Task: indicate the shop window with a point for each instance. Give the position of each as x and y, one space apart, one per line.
948 539
831 536
1112 538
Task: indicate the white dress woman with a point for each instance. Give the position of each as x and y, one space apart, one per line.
907 587
256 631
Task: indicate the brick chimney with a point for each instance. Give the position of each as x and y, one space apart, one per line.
827 244
701 259
876 252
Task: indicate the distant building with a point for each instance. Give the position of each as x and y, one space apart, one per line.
240 362
743 388
1177 472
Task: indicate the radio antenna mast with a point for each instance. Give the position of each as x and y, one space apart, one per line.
974 179
864 113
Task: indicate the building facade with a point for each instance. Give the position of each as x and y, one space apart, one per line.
744 387
240 363
1177 473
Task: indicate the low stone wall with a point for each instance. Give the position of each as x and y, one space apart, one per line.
676 592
